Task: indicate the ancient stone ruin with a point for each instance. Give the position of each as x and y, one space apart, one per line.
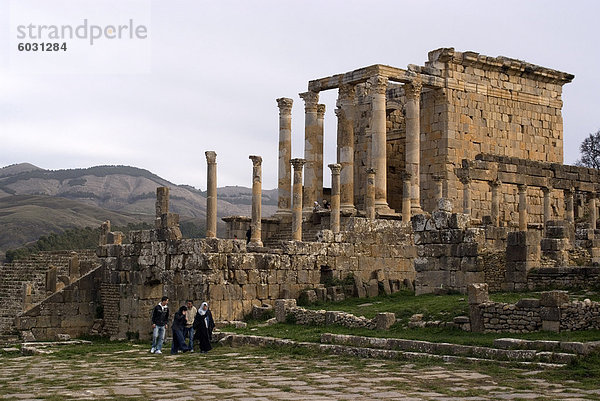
448 175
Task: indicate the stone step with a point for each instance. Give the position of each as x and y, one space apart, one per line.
236 340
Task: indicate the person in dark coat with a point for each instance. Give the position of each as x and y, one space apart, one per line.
179 322
203 328
248 235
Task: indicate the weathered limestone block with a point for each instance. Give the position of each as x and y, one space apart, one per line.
477 293
385 320
554 298
282 306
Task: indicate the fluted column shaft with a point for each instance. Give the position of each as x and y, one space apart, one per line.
466 195
379 139
284 181
297 199
211 194
319 153
370 196
311 134
547 207
413 141
334 216
255 238
495 209
522 207
406 199
569 212
345 144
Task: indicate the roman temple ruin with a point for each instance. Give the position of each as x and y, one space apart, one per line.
448 176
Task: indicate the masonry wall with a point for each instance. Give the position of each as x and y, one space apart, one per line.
71 310
574 277
232 279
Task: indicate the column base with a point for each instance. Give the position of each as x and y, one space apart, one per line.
255 244
347 210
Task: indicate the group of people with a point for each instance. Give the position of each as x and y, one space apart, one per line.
195 325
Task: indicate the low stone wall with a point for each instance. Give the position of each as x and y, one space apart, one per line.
580 315
71 310
552 312
286 310
563 277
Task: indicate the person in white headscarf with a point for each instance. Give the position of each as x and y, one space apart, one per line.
203 327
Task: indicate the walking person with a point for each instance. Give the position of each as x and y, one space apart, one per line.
160 319
189 327
178 327
203 327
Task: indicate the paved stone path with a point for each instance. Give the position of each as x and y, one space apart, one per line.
252 374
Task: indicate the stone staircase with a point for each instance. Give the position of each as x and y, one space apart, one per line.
31 270
309 233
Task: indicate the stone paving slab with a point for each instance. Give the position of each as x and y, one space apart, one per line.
256 375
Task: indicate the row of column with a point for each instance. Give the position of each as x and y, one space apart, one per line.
522 203
345 112
297 195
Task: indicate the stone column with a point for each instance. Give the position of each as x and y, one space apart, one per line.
319 153
255 238
522 207
211 197
297 199
495 212
370 197
379 139
439 192
413 141
284 181
311 128
593 211
406 198
569 212
547 209
334 216
466 181
345 144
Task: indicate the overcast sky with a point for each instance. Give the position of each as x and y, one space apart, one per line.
214 69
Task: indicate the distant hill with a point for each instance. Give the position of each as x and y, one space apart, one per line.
35 202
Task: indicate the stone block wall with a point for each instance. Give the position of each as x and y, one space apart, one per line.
572 277
71 310
552 312
447 252
232 279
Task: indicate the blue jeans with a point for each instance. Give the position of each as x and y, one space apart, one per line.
188 332
158 337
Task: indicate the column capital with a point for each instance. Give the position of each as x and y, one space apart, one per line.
336 168
320 110
546 189
297 163
346 92
378 84
406 175
211 157
310 100
522 187
569 191
465 180
256 160
413 90
495 183
285 105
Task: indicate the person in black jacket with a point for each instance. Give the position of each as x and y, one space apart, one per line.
203 327
160 319
179 323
